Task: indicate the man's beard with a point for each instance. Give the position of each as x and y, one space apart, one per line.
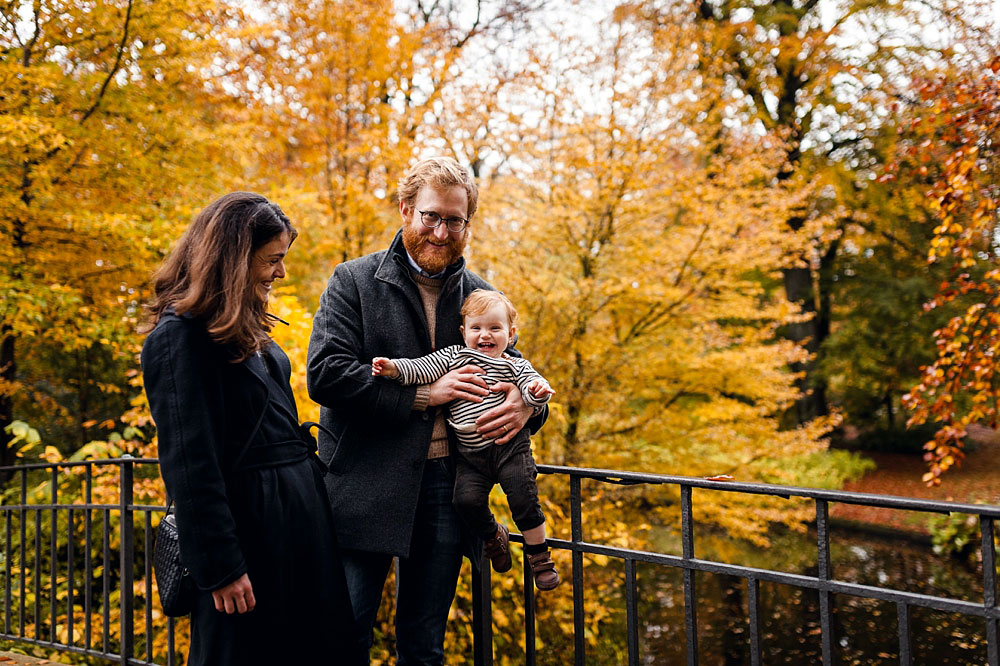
430 259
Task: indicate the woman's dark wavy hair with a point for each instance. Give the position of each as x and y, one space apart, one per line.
207 274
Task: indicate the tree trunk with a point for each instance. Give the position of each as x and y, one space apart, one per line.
799 289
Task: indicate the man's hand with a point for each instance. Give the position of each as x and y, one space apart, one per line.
460 384
501 423
383 367
237 597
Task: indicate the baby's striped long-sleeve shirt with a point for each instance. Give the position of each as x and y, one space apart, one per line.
462 414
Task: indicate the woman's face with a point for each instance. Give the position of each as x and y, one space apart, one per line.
268 264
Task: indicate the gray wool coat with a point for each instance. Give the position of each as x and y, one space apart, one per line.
378 448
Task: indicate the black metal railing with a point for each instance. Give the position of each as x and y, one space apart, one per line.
81 594
90 591
824 583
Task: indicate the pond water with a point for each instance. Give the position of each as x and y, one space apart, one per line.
865 630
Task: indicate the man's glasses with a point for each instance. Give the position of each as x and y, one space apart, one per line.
431 218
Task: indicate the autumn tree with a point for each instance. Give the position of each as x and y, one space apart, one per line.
634 252
958 119
818 79
880 332
339 92
108 122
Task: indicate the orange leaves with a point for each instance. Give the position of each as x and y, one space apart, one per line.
961 387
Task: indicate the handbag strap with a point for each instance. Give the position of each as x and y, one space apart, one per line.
307 426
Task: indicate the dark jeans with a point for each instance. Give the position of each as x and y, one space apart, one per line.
510 465
425 581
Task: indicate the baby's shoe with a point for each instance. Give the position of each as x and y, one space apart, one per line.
544 570
498 550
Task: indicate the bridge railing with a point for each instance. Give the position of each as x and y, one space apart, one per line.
77 568
824 583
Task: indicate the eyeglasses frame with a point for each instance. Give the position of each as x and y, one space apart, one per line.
446 221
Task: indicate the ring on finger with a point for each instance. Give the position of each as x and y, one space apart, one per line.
505 427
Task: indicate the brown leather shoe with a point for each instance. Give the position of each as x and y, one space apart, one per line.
498 550
544 571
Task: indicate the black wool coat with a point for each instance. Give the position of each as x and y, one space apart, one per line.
371 307
203 406
249 498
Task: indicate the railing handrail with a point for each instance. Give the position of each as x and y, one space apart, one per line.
79 463
621 477
848 497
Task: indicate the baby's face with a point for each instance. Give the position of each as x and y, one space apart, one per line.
488 332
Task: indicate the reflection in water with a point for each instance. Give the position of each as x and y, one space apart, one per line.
865 629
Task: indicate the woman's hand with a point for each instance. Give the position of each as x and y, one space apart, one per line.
501 423
237 597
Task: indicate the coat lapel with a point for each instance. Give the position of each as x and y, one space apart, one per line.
255 364
276 361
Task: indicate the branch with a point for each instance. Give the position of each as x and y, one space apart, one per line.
26 59
114 68
690 255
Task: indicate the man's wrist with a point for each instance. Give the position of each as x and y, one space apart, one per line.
422 399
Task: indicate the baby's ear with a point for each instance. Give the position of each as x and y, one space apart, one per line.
461 329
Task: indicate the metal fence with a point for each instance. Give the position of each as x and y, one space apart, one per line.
824 582
89 590
79 593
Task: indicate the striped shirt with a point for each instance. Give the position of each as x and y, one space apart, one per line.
463 413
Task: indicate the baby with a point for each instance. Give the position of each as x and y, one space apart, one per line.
488 326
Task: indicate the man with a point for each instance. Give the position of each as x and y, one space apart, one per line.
391 478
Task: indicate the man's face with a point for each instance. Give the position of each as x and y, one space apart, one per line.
435 249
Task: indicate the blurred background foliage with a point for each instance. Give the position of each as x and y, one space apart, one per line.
745 237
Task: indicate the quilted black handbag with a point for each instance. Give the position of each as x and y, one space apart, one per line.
173 581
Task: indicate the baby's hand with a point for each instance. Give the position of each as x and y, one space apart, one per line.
382 366
540 389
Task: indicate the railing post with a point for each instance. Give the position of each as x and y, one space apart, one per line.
631 613
88 569
8 516
23 562
690 596
482 614
53 553
753 610
823 574
38 574
903 613
70 555
529 612
989 589
127 553
576 525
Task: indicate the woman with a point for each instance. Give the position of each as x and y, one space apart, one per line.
254 523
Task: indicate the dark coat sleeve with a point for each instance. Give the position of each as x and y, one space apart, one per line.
186 401
336 374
